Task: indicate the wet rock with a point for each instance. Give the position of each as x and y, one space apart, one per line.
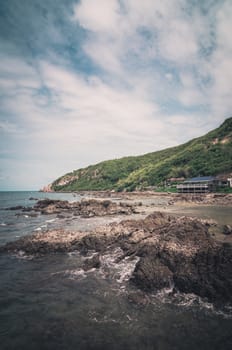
209 198
92 207
17 207
183 253
51 206
208 274
94 242
91 263
61 216
172 251
50 209
32 215
86 208
152 275
227 230
138 298
28 209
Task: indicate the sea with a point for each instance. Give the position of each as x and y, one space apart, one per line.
49 302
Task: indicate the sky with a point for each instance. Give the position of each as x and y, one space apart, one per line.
85 81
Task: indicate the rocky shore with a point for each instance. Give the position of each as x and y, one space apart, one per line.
224 199
173 252
86 208
208 199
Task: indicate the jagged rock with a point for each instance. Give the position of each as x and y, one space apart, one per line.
86 208
51 206
172 251
209 198
91 263
152 275
17 207
61 216
184 253
227 230
96 242
50 209
138 298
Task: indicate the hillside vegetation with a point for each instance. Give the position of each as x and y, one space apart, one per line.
210 154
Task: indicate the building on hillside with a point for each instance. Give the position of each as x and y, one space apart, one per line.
201 184
224 181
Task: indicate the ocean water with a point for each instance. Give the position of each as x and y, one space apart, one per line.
51 303
15 223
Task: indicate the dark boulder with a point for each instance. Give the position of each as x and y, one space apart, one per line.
91 263
152 275
17 207
184 254
227 230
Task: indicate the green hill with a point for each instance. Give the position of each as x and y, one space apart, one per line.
210 154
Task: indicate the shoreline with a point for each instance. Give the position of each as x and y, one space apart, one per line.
190 253
207 207
113 193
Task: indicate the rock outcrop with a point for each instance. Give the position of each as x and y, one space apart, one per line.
85 208
47 188
227 230
209 198
177 253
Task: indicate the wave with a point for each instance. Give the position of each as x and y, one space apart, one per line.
118 268
192 301
72 274
50 220
23 256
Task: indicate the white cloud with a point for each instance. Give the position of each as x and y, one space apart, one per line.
105 53
224 27
98 15
178 42
187 79
87 122
15 73
8 127
219 66
116 29
160 66
95 108
169 76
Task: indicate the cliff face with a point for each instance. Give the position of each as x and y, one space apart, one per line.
210 154
47 188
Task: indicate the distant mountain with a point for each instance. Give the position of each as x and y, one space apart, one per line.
210 154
